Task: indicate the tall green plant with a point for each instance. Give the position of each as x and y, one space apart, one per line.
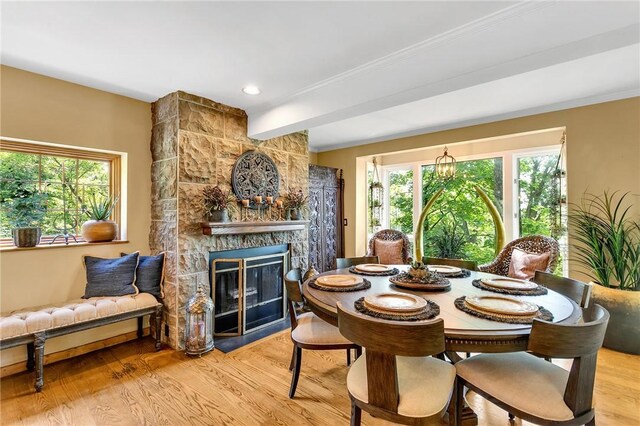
608 240
101 208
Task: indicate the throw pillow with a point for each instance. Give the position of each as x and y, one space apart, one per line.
110 277
150 275
389 252
524 265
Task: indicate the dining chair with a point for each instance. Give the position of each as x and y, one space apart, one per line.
347 262
531 244
471 265
391 246
308 331
533 389
396 379
575 290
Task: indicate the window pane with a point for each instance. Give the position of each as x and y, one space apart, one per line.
401 200
459 224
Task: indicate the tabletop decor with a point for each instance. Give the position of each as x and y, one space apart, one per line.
450 271
198 337
419 277
362 285
542 313
429 311
215 202
254 177
389 272
538 290
99 228
294 203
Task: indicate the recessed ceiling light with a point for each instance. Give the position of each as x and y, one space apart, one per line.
251 90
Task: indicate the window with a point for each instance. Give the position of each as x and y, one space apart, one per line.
400 196
50 186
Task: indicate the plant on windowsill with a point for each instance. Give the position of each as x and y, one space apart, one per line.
608 248
25 211
295 202
99 228
215 204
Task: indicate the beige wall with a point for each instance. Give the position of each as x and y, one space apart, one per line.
44 109
603 151
313 157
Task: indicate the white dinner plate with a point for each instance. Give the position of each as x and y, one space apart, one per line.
445 269
395 302
502 305
373 267
339 280
509 283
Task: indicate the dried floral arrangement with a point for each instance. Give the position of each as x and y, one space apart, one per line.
215 199
294 199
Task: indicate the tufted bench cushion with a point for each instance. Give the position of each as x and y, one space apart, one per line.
48 317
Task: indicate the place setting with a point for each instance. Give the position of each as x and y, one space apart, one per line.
503 309
397 306
339 283
374 270
510 286
419 277
449 271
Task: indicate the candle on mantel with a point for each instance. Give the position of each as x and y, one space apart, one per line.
269 200
245 203
279 204
258 199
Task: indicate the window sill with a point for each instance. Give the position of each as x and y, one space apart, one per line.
54 246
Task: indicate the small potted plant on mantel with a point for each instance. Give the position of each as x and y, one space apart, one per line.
99 228
215 204
609 250
25 212
294 203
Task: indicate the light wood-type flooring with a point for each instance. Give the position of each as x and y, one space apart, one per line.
130 384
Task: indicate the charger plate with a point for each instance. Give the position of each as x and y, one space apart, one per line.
339 280
445 269
373 267
509 283
502 305
396 303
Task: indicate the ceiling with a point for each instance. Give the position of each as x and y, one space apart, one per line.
350 72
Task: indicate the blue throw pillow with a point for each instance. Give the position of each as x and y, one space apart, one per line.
111 277
150 274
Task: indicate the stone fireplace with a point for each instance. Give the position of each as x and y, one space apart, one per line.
194 143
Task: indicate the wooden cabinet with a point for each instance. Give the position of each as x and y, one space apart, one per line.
326 232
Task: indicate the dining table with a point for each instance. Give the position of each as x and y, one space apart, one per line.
464 333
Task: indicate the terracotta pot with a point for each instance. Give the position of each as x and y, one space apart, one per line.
26 237
96 231
623 332
218 216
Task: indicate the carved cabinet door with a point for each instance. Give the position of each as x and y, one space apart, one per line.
325 226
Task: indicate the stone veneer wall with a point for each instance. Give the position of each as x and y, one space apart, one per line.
195 142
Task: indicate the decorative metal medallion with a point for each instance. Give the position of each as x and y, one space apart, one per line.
255 174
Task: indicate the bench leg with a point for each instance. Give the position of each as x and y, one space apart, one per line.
157 318
140 329
39 360
30 357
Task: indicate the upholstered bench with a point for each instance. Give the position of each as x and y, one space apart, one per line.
32 326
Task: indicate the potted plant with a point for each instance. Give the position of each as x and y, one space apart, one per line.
609 249
294 202
99 228
25 212
215 204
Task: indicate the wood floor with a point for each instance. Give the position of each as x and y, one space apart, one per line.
130 384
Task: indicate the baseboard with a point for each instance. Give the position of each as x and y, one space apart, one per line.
21 366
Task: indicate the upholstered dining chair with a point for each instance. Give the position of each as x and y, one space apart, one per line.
396 379
392 247
471 265
575 290
308 331
347 262
536 390
530 246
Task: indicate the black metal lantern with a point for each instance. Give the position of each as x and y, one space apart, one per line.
198 337
376 193
446 166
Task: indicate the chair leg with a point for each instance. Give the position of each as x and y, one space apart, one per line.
293 358
459 401
30 357
348 357
140 327
296 372
157 317
39 360
356 414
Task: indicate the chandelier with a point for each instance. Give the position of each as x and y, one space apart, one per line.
446 166
375 199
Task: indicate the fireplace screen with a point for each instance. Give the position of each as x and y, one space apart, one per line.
248 292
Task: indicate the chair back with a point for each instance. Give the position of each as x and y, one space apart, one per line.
387 235
471 265
532 244
347 262
384 340
575 290
293 281
578 341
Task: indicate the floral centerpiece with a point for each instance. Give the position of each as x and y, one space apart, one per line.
215 203
294 203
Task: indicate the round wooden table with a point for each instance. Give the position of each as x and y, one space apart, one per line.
463 332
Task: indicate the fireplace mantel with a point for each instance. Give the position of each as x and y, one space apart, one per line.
217 228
